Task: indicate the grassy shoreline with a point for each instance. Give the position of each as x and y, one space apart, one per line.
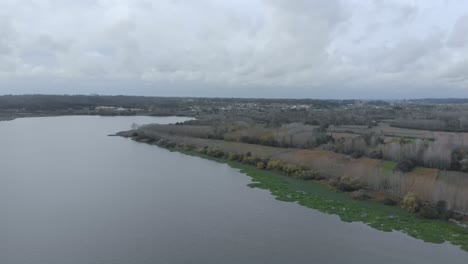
378 216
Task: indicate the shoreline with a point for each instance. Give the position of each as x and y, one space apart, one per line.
317 196
13 117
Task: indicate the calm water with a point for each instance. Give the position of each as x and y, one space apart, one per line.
71 195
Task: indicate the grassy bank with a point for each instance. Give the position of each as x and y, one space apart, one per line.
313 195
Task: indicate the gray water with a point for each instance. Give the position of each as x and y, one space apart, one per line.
71 195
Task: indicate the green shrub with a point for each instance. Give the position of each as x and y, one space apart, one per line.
389 165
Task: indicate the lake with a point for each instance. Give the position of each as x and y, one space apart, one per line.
69 194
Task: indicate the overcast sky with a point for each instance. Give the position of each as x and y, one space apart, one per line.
238 48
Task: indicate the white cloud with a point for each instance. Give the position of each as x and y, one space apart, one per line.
458 36
309 48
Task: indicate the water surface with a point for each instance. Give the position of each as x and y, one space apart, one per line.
71 195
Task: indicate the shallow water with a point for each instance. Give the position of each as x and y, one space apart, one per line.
69 194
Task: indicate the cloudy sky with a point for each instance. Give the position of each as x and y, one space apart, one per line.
237 48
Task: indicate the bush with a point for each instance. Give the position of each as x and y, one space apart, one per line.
348 185
464 165
411 203
443 211
162 142
291 169
204 150
345 187
406 165
457 216
307 175
235 156
215 152
360 195
251 160
140 137
190 147
275 165
441 207
319 177
428 212
171 145
357 154
333 182
151 140
261 165
389 201
376 154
